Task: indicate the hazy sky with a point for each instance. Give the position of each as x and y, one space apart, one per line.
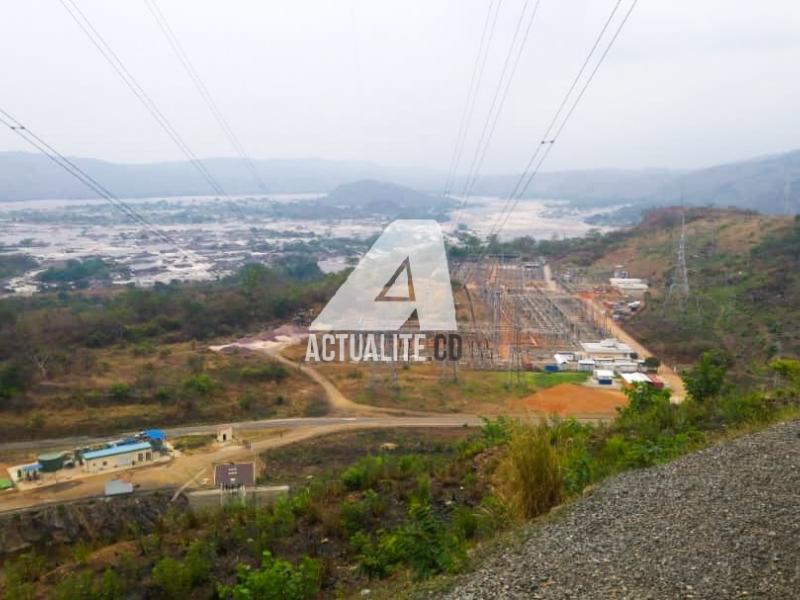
689 83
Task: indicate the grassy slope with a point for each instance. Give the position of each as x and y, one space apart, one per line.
124 388
742 271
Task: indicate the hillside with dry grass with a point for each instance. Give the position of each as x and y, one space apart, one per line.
743 278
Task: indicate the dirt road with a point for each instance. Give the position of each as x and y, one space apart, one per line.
197 466
664 372
188 469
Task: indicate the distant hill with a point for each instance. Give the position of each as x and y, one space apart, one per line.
380 197
757 184
25 176
369 198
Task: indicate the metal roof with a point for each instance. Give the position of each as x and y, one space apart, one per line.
234 474
116 487
636 378
115 450
155 434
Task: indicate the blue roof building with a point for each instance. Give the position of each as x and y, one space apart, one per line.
155 435
116 450
124 455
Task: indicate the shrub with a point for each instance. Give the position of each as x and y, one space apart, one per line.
271 371
707 378
177 578
530 478
200 384
119 392
83 585
276 580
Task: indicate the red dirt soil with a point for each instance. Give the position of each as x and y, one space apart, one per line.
569 399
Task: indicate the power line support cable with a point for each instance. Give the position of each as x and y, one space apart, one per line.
198 82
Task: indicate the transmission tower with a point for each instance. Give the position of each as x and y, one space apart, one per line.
679 288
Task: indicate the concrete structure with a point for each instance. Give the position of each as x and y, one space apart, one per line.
225 434
125 455
259 497
116 487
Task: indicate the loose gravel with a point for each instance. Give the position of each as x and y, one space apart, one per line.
720 523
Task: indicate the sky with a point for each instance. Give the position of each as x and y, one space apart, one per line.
687 84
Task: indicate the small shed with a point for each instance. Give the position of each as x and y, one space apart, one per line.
604 376
225 434
235 475
156 437
27 472
117 487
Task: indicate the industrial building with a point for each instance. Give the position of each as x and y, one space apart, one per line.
629 286
124 455
608 349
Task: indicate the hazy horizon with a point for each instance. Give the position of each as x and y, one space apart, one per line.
686 85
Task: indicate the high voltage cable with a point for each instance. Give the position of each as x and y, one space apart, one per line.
493 116
130 81
557 134
184 59
496 109
527 176
73 169
478 68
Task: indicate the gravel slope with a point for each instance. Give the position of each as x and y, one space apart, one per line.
720 523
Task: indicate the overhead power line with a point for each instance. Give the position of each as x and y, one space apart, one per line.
188 66
546 142
107 52
474 85
498 101
73 169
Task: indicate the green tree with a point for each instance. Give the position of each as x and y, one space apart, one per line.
707 378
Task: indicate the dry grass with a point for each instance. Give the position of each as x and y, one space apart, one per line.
81 401
529 478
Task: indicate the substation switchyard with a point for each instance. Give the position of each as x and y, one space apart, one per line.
518 316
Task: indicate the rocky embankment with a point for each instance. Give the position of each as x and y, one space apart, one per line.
721 523
100 518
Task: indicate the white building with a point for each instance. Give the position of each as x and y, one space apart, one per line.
630 286
123 455
608 349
